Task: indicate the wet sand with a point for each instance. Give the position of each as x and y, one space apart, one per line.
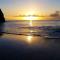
20 47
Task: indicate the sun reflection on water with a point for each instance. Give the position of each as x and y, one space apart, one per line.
30 23
29 39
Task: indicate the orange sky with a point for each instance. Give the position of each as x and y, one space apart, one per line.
13 8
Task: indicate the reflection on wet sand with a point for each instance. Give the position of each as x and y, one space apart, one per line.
35 47
33 41
30 40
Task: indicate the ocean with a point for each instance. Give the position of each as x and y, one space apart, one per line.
35 27
27 39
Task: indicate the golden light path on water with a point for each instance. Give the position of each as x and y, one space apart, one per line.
29 39
30 23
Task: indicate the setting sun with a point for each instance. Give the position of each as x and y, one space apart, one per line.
29 15
30 18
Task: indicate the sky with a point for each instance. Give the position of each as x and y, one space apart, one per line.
12 8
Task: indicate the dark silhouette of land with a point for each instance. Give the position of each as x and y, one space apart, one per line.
2 20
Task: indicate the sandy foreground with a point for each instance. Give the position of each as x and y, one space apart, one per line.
16 47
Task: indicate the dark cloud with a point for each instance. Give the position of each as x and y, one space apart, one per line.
56 14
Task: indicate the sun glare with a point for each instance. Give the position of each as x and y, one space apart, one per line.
29 15
30 18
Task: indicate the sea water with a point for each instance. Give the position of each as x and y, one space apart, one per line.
35 40
33 27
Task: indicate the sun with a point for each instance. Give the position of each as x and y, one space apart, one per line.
29 15
30 18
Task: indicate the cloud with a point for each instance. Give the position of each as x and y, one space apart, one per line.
56 14
28 16
53 16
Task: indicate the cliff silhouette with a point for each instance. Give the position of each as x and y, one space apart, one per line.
2 20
